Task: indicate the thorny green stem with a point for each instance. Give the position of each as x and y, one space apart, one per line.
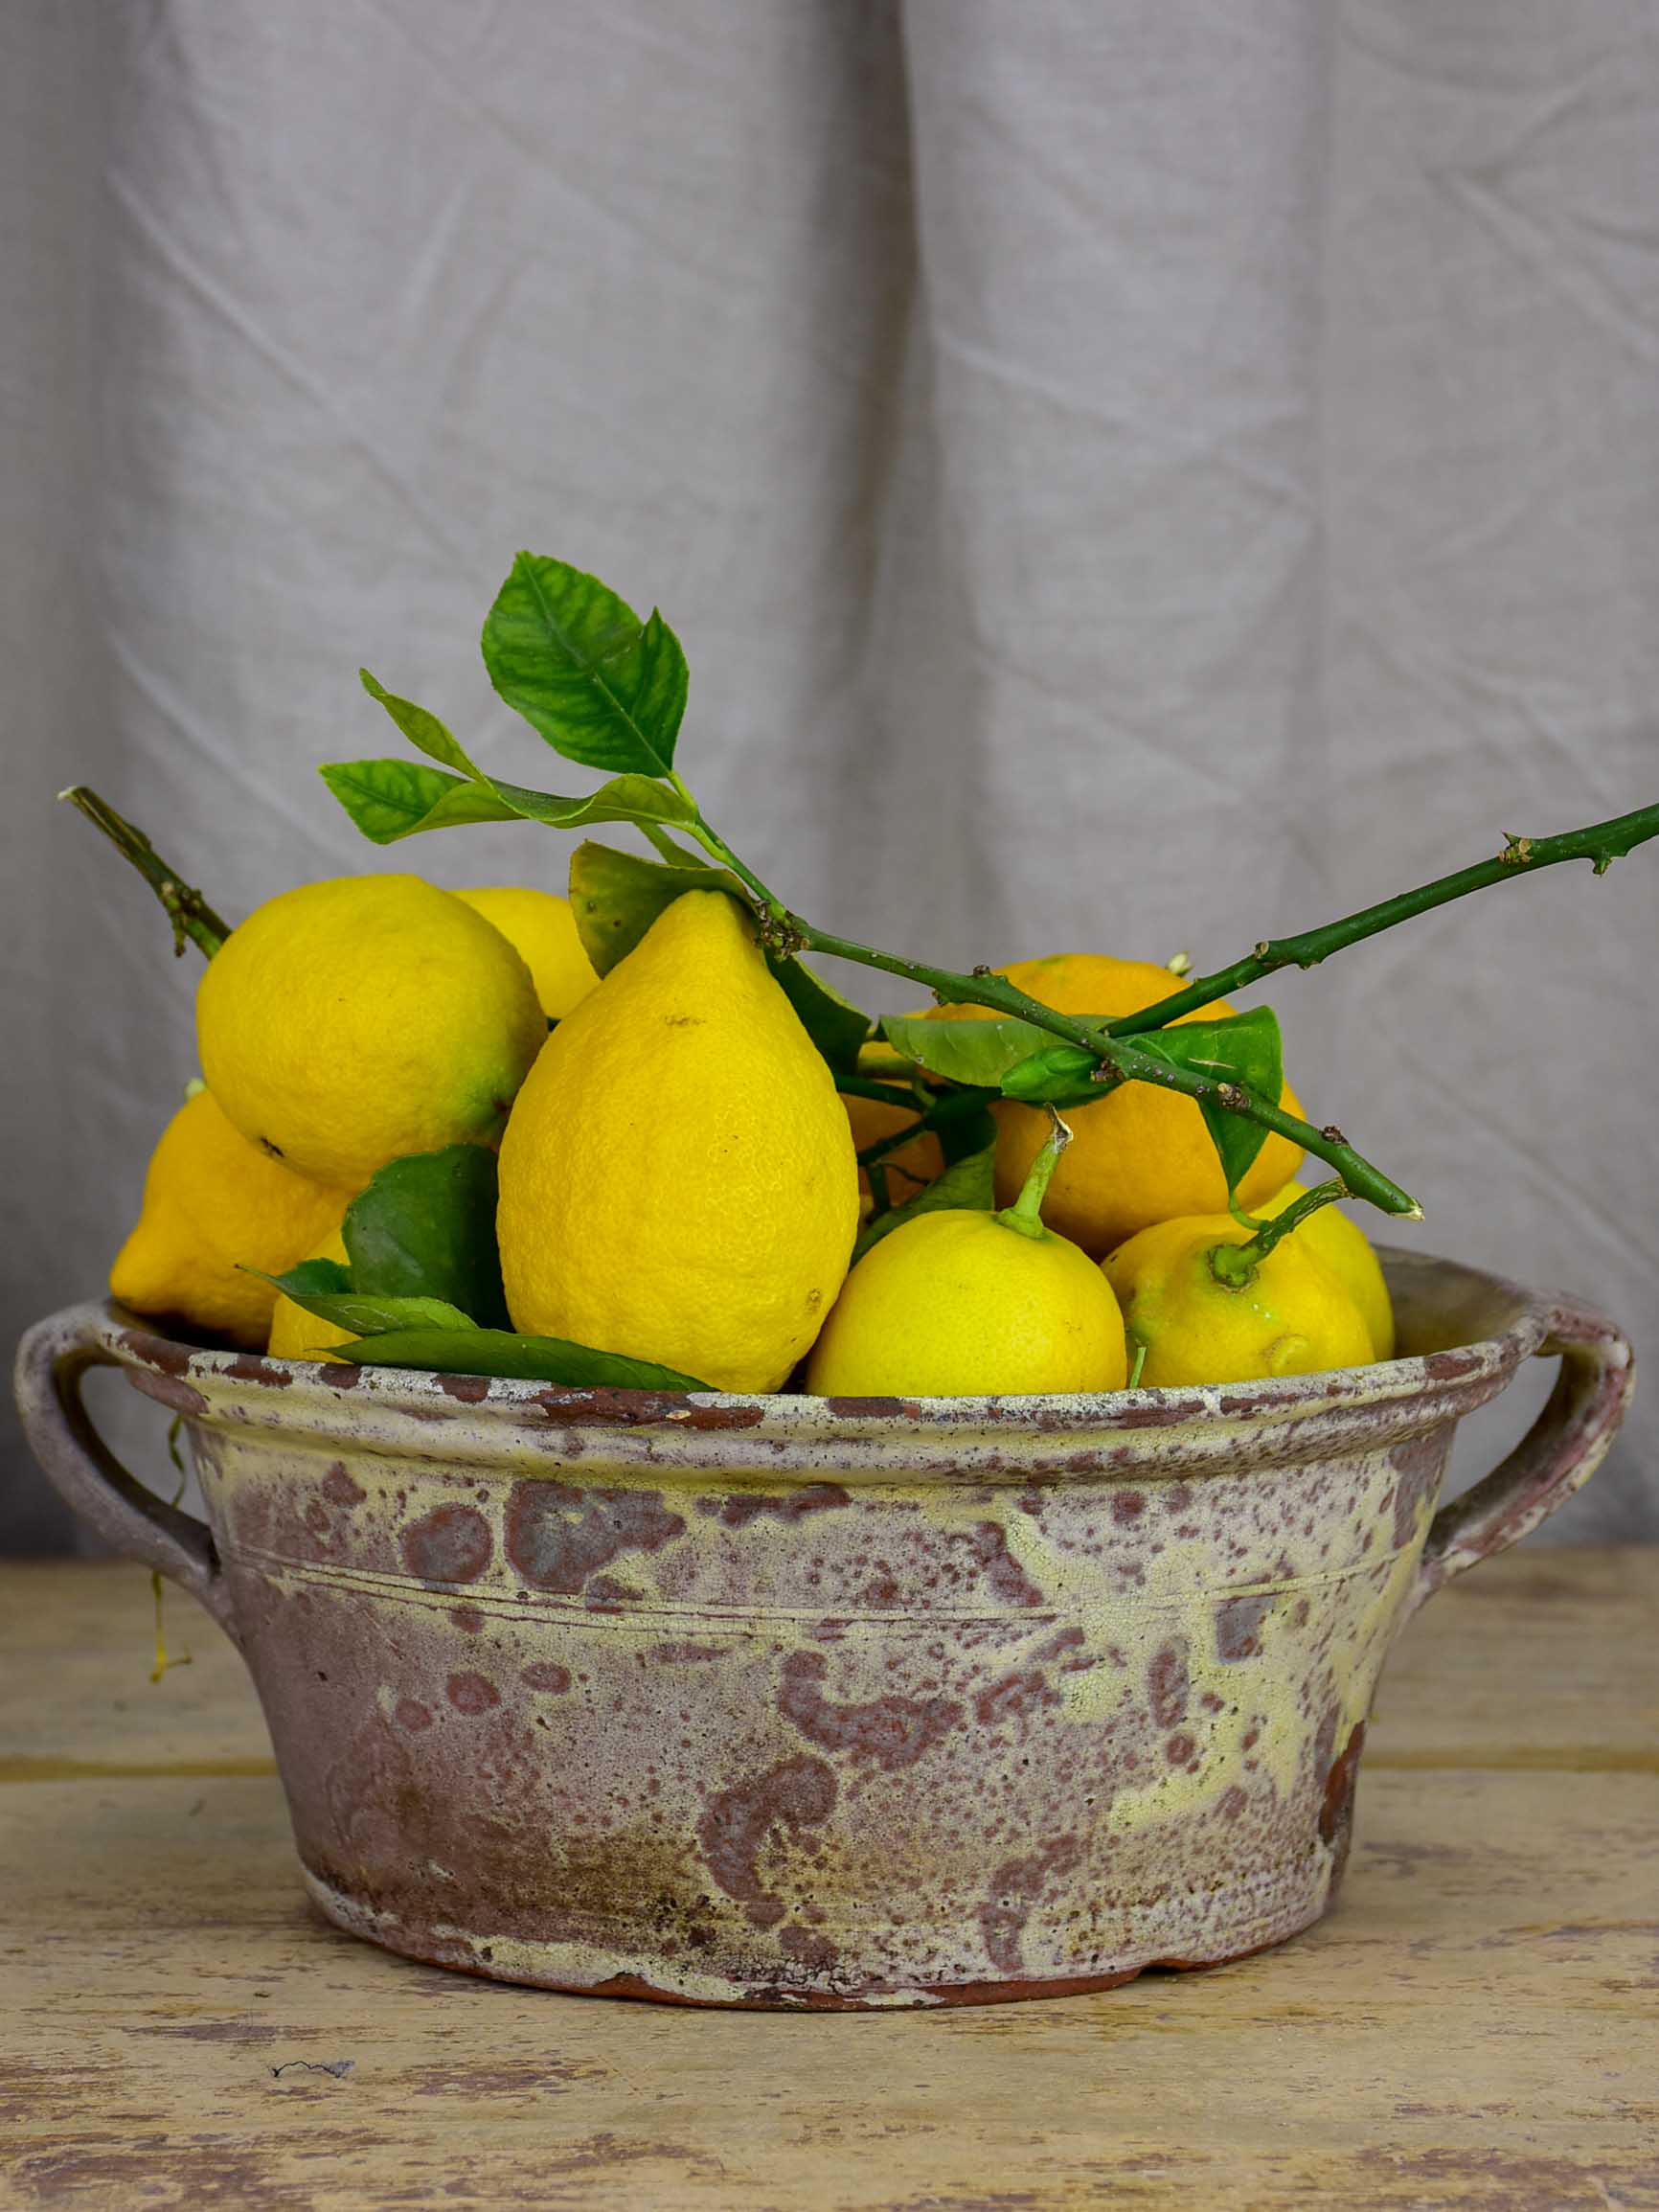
1125 1063
187 909
1118 1061
1602 843
716 848
1026 1214
1234 1266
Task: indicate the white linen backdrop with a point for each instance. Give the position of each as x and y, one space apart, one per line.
1128 474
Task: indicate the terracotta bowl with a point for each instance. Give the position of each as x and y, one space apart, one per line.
793 1701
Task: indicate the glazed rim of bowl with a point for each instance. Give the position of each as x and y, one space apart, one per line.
1469 1331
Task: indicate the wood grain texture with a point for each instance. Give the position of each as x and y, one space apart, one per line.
1476 2025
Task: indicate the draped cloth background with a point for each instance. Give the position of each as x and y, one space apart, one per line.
1129 474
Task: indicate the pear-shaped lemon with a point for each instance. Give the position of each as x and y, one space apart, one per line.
964 1303
1293 1317
677 1179
214 1206
1346 1250
295 1334
541 929
1142 1155
347 1023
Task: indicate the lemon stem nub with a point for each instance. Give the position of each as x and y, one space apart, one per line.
1234 1265
1026 1214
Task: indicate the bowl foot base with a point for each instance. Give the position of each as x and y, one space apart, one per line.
580 1969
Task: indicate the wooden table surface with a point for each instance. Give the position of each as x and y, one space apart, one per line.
1477 2024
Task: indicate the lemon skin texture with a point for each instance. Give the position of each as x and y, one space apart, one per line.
295 1334
958 1304
1295 1318
541 929
678 1180
213 1207
1346 1250
347 1023
1140 1154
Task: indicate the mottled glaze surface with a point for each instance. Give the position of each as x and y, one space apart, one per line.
781 1700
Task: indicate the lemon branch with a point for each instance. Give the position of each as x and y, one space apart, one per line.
187 909
608 690
1120 1061
1602 844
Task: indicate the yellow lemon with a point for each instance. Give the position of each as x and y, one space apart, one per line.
962 1303
678 1180
1142 1155
1293 1318
347 1023
213 1207
1346 1250
295 1334
541 929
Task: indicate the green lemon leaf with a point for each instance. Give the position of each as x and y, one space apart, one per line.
615 897
496 1352
624 799
310 1279
422 729
971 1183
366 1315
967 1051
1060 1075
1025 1062
835 1025
576 662
1240 1048
963 1123
426 1228
392 799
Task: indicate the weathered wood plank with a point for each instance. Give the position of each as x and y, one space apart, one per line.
1476 2026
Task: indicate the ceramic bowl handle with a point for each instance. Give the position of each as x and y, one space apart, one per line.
80 1467
1556 1456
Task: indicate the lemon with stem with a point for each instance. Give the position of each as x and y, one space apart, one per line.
961 1302
1208 1310
1347 1251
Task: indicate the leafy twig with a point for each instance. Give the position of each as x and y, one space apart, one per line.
984 988
605 689
187 909
1602 843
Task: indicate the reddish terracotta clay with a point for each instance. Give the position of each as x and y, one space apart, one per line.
803 1702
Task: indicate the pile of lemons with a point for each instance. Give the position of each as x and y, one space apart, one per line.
679 1179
